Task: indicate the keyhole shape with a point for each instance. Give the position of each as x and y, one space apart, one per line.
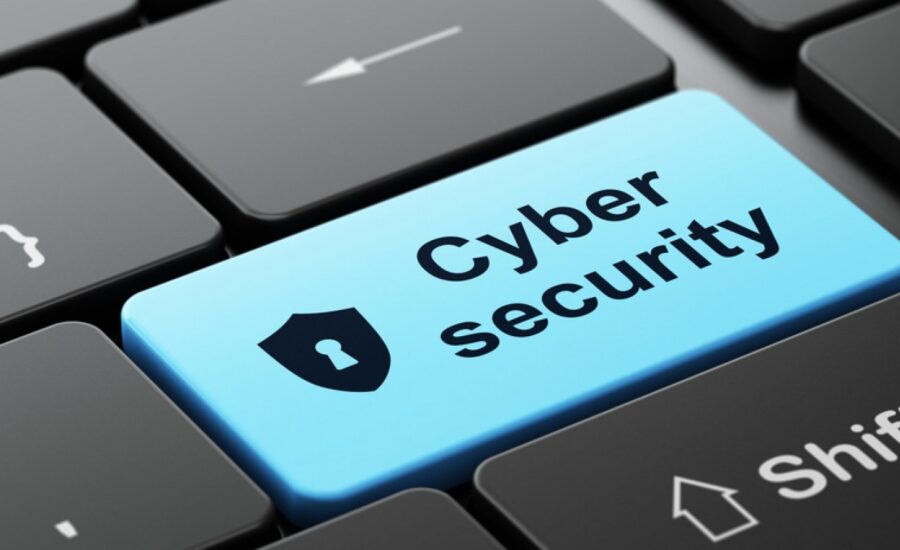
333 351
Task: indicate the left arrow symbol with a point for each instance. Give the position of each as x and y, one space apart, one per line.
355 67
712 509
344 69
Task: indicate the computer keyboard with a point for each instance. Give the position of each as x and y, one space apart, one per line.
479 274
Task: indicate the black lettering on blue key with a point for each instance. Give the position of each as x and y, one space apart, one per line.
429 264
707 235
637 282
520 249
551 300
653 259
763 234
462 334
544 222
643 185
648 270
604 204
520 320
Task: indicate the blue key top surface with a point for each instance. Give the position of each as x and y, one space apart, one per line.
402 344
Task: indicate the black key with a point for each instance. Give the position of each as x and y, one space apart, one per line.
86 219
94 456
57 32
795 446
277 111
772 30
412 520
852 74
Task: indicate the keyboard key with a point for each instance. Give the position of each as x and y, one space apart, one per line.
790 447
86 219
851 74
94 456
277 112
399 345
772 30
412 520
58 32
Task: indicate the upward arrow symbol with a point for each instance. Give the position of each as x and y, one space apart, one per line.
354 67
740 519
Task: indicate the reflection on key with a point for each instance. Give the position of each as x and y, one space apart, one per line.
506 301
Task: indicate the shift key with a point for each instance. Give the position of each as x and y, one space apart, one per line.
791 447
402 344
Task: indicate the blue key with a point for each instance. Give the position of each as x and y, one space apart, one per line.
400 345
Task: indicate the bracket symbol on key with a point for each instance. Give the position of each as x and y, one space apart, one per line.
66 529
29 245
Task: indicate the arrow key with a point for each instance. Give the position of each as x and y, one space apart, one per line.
312 109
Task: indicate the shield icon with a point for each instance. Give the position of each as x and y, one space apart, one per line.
338 350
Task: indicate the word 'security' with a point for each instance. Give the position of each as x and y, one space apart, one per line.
451 258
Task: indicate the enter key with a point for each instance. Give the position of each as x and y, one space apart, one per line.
401 345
